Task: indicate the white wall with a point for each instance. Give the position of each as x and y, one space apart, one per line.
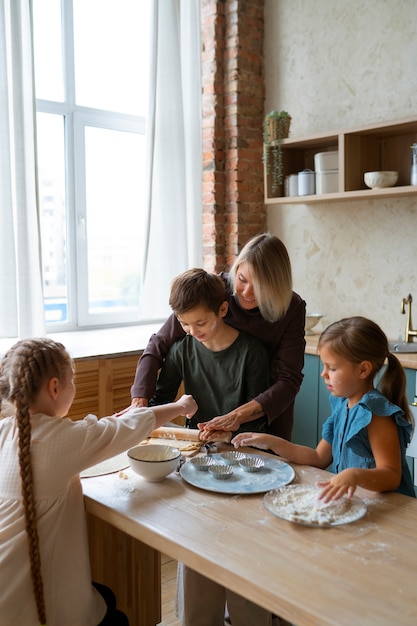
337 64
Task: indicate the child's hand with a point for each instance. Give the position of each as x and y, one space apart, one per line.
257 440
214 436
339 485
188 405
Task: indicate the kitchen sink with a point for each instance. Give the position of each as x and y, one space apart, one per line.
402 346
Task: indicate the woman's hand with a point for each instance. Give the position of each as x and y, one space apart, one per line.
228 422
140 402
232 420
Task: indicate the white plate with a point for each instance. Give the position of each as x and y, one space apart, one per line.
300 504
274 474
109 466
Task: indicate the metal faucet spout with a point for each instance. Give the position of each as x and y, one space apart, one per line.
410 332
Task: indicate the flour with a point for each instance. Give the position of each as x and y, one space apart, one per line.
301 504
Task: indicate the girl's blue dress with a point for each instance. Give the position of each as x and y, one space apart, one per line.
346 431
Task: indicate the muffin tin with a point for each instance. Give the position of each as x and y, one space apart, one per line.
237 473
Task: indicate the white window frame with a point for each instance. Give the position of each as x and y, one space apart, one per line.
111 121
76 119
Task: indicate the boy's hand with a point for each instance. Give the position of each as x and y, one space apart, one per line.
214 436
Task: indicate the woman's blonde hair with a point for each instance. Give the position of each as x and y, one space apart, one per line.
358 339
271 272
23 371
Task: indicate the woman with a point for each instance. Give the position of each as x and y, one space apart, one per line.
263 304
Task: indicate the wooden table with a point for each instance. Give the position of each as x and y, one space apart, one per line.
359 573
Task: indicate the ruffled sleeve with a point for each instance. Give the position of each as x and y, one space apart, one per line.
374 403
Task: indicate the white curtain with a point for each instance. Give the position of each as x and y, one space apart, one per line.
174 204
173 237
21 301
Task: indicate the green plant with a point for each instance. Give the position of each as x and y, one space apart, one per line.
276 127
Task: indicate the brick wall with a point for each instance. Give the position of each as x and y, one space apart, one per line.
233 99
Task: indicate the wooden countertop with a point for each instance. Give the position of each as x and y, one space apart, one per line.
122 341
407 360
363 572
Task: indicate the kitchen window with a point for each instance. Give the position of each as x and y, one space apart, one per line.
91 80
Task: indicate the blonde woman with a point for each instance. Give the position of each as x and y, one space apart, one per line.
261 302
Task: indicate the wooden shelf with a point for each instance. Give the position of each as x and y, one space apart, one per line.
360 194
384 146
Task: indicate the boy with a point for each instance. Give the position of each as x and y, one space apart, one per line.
221 368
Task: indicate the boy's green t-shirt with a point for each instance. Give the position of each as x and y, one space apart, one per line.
219 381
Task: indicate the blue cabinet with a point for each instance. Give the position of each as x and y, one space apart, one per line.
307 404
312 406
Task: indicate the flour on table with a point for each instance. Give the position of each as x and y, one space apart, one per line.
301 504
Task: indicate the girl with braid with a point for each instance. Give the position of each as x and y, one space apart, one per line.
45 569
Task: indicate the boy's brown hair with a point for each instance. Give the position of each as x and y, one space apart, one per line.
196 287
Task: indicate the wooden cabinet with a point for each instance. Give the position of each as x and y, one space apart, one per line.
379 147
103 385
129 567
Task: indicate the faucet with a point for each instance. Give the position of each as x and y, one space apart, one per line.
410 332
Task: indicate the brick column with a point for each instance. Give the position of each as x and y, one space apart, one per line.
233 97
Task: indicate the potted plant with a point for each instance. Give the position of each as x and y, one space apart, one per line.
276 127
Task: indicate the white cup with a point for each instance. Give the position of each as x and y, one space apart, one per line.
293 185
306 183
414 174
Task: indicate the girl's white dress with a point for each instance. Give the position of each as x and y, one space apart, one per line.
61 449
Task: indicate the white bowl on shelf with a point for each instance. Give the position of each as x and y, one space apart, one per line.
379 180
312 319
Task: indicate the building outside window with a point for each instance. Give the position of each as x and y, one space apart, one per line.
91 79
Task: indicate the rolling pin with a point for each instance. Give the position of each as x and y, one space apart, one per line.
172 432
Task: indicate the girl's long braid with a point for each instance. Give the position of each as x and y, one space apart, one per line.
22 372
23 422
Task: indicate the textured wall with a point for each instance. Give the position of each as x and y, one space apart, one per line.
337 64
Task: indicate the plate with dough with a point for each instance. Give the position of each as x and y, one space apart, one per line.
272 475
300 504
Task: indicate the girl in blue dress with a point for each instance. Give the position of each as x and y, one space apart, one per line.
367 434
